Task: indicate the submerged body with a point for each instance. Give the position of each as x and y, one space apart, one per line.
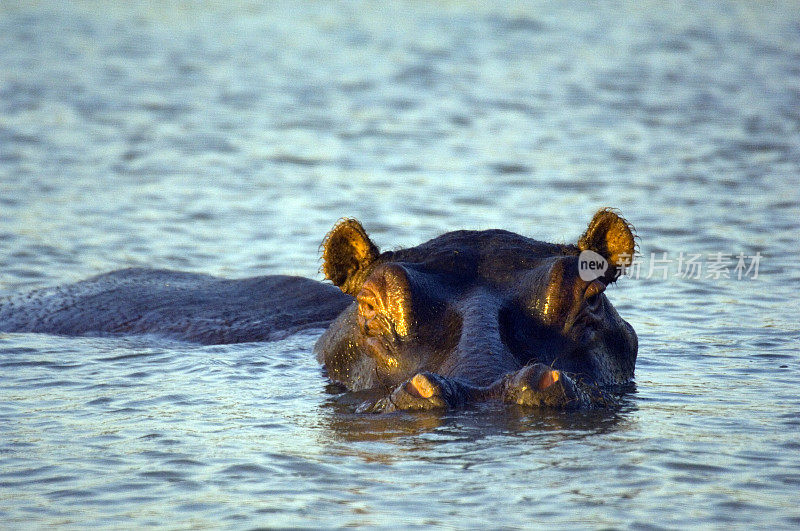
467 316
185 306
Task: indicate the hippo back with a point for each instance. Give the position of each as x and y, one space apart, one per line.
185 306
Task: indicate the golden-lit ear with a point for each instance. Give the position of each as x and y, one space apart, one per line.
611 236
347 254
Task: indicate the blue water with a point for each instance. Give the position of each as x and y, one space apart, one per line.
228 138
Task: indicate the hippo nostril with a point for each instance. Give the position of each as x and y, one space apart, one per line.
548 378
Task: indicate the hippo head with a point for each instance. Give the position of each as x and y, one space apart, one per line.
476 306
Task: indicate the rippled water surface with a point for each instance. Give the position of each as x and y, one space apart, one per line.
228 138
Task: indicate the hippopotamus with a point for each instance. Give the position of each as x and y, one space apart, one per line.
469 316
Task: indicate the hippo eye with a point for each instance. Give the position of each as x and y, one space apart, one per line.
369 315
593 293
384 303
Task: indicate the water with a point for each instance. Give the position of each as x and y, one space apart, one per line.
228 138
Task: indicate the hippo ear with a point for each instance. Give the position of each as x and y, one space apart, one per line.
612 237
347 254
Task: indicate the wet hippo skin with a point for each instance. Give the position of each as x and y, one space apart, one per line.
185 306
469 316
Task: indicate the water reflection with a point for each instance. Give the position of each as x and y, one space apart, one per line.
417 430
